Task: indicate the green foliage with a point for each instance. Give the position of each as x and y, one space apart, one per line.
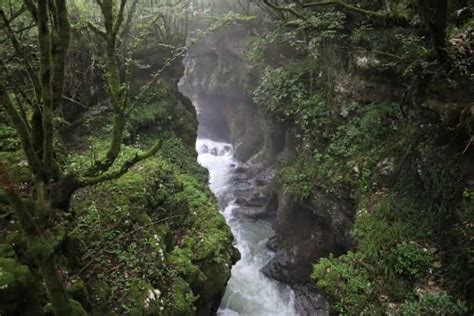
376 235
182 300
411 260
408 190
324 27
346 280
8 138
273 44
434 304
13 274
154 109
298 178
157 227
19 289
280 92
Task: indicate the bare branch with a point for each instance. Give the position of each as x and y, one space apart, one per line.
123 169
22 130
288 9
32 8
21 52
96 30
387 16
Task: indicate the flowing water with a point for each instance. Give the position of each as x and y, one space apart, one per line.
248 292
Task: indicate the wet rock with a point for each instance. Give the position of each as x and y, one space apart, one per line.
240 170
214 151
224 150
276 268
260 182
241 181
251 212
308 302
257 200
304 235
204 149
271 204
272 243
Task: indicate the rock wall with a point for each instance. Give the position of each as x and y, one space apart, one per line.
217 80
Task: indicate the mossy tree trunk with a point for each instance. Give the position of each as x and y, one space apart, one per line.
52 189
36 136
41 243
117 88
435 17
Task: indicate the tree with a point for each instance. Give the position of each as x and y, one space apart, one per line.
38 207
41 207
434 15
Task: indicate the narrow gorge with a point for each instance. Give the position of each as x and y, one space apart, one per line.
326 170
236 157
275 246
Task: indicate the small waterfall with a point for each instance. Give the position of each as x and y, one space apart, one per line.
248 292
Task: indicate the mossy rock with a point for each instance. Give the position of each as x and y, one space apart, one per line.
19 293
78 292
217 277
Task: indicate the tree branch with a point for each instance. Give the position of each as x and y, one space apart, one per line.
96 30
119 19
32 8
21 52
284 8
44 43
386 16
84 182
22 129
22 212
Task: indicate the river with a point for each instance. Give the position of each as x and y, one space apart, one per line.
248 292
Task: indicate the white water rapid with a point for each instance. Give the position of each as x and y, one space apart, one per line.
248 292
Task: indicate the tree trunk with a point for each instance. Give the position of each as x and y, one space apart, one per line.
60 301
435 17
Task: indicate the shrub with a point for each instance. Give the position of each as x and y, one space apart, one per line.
411 260
345 281
432 304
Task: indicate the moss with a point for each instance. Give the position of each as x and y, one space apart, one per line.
103 292
181 299
181 260
42 247
13 274
19 291
217 276
78 292
77 309
164 236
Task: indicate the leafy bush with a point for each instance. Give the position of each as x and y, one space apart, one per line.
280 92
411 260
432 304
345 280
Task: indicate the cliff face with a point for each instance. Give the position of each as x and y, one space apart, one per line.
314 202
162 213
150 242
219 81
215 80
